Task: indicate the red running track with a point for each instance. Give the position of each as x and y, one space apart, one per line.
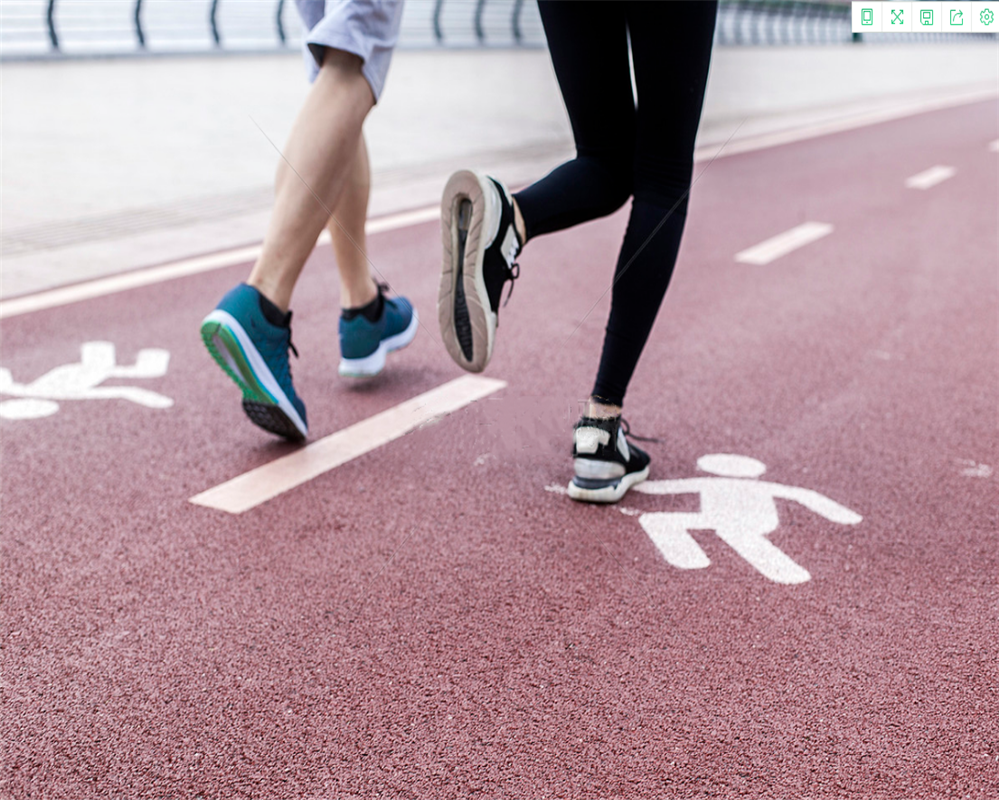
428 621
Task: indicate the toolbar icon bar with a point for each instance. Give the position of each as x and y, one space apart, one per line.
925 16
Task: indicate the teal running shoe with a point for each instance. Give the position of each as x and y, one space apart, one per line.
254 353
364 344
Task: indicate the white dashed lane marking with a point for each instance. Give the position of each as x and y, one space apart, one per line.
270 480
784 243
930 178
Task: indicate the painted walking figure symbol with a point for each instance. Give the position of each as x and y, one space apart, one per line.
740 509
83 381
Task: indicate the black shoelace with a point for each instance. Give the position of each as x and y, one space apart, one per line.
627 432
512 273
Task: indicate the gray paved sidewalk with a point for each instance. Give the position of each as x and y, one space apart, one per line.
112 165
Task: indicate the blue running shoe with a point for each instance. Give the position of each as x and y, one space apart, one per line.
364 344
254 353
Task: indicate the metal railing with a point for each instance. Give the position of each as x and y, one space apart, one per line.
516 26
757 22
53 28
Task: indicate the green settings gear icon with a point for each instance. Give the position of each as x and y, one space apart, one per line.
986 16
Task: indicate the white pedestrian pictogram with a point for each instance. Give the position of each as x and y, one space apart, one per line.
740 509
82 381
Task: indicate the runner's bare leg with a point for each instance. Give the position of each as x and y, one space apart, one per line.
357 287
318 160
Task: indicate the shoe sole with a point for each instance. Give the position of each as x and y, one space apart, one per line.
607 494
369 366
264 402
467 322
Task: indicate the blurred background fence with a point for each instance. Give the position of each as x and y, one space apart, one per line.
60 28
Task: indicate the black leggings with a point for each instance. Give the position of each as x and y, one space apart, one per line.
622 151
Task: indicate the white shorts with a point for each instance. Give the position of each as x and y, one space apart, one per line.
366 28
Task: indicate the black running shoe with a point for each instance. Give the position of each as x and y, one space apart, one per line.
606 464
480 245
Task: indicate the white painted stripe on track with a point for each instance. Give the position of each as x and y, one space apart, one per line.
270 480
784 243
763 141
930 178
112 284
51 298
861 119
403 219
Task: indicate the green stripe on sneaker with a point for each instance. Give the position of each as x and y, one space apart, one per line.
236 365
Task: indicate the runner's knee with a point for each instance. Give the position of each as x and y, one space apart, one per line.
663 181
611 179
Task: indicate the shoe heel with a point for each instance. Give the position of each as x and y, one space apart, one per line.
366 367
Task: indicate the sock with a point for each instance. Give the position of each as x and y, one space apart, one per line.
273 314
601 414
372 312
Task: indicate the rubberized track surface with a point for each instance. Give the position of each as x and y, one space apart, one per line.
428 621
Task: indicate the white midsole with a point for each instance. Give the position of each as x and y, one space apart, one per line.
261 371
375 363
490 222
600 470
608 494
